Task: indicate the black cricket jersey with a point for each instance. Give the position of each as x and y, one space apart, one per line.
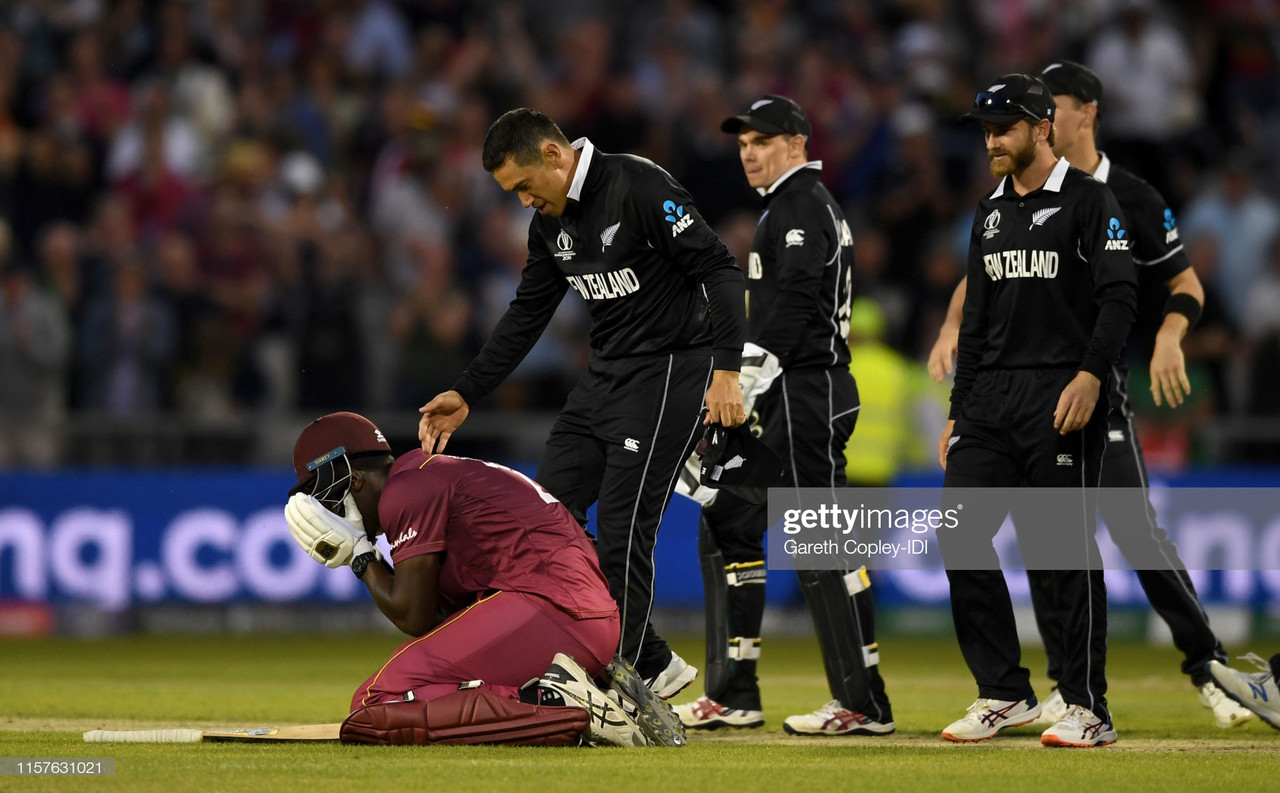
1157 249
1051 281
656 278
800 274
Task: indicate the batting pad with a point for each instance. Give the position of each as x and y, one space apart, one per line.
471 716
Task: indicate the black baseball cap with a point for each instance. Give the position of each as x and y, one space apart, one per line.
772 115
1011 97
1073 79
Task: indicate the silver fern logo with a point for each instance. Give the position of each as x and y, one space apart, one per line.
1041 215
606 236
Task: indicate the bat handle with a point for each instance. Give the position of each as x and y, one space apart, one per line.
143 736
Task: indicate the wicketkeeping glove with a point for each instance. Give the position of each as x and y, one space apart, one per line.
689 486
327 538
759 369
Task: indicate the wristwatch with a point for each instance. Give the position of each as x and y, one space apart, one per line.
361 563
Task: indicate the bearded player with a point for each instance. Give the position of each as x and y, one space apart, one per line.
497 583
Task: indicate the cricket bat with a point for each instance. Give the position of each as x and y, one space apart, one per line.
304 732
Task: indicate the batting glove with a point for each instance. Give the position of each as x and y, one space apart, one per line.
351 513
327 538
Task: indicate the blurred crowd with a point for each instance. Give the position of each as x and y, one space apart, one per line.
217 207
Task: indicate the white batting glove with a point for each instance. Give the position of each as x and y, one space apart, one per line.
351 513
759 369
327 538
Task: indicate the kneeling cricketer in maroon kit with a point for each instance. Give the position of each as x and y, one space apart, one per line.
492 576
516 572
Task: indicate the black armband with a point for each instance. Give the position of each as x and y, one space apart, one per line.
1184 304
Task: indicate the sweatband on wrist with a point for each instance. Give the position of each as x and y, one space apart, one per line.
1184 304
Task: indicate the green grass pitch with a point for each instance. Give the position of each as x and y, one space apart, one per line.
52 690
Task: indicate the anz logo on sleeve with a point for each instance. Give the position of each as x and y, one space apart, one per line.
1115 237
1170 227
676 217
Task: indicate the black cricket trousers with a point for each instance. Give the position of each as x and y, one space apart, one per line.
624 434
1131 521
1004 438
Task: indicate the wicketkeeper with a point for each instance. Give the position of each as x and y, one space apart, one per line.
799 391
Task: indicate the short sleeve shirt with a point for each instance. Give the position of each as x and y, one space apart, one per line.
496 530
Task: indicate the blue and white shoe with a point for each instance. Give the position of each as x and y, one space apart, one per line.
1256 691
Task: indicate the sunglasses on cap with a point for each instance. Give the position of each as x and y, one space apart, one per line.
990 100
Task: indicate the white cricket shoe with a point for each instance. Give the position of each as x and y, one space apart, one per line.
1051 710
674 679
1080 729
1226 711
835 719
986 717
705 713
1257 691
610 725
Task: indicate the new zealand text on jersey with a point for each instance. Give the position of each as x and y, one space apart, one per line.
605 286
1021 264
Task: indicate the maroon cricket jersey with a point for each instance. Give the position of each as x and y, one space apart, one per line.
498 530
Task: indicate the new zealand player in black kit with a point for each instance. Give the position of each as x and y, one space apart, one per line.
1169 301
796 375
667 310
1051 297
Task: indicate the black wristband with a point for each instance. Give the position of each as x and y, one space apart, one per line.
1184 304
361 563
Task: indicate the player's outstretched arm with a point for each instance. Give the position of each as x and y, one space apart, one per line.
440 417
724 399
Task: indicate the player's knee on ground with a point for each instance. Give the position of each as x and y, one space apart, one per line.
476 716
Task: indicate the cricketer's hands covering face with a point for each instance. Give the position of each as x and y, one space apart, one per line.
327 538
